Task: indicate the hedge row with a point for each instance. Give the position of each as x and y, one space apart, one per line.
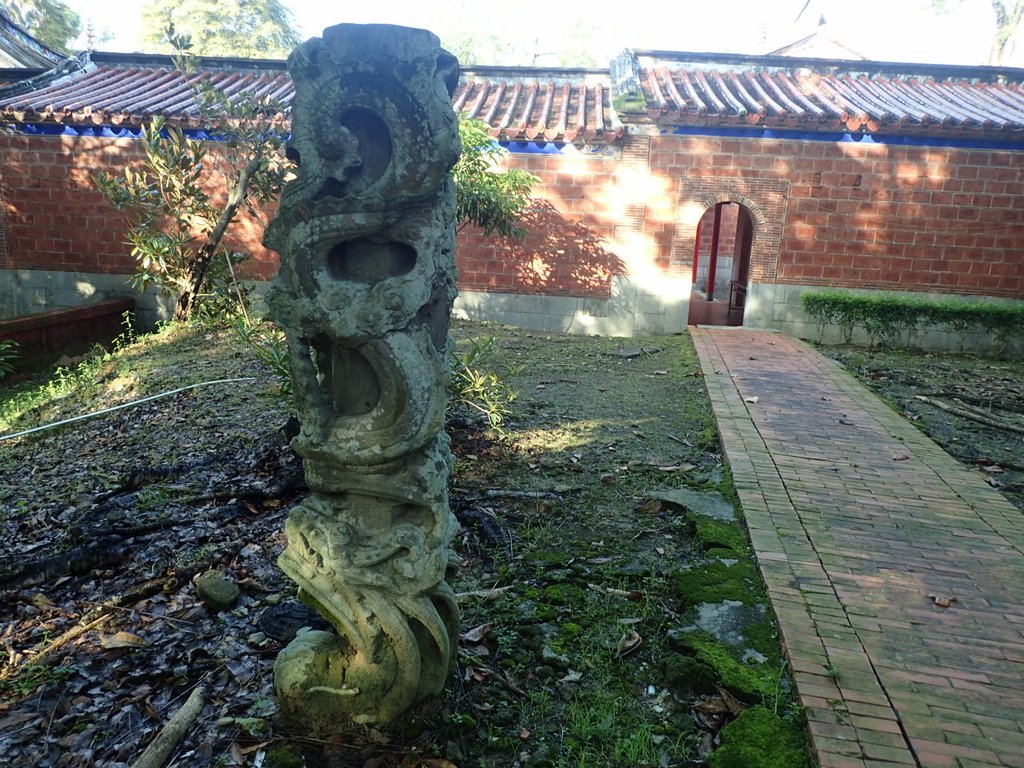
885 317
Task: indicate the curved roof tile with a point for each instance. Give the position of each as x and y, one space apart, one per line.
522 104
567 105
726 89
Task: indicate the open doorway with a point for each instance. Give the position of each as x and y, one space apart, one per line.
721 265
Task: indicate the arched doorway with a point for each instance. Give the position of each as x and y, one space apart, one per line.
721 265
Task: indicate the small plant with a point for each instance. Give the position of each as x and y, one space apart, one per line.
127 336
832 672
479 389
270 346
32 676
8 354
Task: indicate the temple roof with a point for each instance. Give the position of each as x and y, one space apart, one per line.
540 105
686 89
19 49
645 90
128 89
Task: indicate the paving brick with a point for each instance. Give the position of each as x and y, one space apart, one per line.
851 545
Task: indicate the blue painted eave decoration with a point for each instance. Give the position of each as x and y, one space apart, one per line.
836 137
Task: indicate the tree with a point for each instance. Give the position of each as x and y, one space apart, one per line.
487 198
520 42
176 225
242 28
1009 14
52 22
1008 18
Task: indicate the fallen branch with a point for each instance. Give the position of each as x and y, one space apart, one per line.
172 732
76 631
965 414
503 681
987 462
498 493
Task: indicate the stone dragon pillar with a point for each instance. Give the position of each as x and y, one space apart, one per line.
366 235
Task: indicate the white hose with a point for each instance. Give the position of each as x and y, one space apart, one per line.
84 416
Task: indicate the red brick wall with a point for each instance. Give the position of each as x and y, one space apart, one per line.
846 215
863 215
567 251
56 220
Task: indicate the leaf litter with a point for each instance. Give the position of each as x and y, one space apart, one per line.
568 605
973 407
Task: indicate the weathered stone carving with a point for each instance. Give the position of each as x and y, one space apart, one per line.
366 237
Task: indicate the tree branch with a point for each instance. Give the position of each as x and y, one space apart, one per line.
965 414
172 732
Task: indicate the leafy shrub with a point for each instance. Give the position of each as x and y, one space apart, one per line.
488 198
176 222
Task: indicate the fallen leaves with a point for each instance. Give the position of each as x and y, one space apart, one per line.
123 639
943 601
649 507
628 643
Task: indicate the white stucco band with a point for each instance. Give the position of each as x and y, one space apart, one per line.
630 310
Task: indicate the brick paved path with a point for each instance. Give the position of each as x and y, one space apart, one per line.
857 519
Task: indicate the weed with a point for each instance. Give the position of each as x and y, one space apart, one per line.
183 559
268 343
8 354
475 387
32 676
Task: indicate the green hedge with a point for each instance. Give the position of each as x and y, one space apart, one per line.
885 317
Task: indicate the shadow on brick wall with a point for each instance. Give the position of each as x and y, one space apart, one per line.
560 256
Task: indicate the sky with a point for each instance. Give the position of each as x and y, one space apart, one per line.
885 30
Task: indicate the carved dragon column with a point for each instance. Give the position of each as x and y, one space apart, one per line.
366 235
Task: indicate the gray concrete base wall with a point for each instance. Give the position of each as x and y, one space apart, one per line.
27 291
633 309
778 307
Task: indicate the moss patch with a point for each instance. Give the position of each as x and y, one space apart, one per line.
750 682
764 638
688 676
719 535
564 594
759 739
715 581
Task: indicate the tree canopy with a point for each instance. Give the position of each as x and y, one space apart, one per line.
1008 13
1008 18
253 29
49 21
